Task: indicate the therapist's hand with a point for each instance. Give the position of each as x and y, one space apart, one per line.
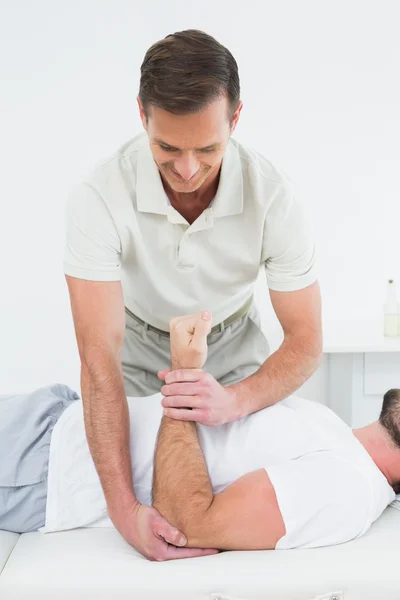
145 529
189 393
193 395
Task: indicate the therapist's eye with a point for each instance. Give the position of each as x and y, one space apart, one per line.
168 149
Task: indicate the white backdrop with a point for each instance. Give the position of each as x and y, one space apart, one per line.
321 92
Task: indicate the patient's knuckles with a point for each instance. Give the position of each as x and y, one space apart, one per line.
183 324
174 323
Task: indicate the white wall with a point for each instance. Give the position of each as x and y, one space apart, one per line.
320 86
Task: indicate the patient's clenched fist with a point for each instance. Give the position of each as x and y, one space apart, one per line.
188 337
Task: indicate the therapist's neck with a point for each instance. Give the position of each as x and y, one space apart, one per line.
384 453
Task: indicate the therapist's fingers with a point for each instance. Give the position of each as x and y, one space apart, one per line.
182 375
182 402
172 537
181 389
162 374
183 414
173 553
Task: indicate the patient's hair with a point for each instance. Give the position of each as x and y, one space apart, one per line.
390 420
390 415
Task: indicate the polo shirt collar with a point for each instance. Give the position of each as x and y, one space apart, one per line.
151 196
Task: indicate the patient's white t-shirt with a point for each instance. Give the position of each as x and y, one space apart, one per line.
329 490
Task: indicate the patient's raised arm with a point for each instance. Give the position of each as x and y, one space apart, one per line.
246 514
181 483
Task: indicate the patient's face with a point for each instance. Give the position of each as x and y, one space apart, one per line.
188 149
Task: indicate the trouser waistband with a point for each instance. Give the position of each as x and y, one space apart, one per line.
217 328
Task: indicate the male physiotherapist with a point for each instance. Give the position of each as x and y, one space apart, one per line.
179 219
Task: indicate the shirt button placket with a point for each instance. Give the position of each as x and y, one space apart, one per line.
183 262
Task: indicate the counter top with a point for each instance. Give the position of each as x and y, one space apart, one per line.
357 335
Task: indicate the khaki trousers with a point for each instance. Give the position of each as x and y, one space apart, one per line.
233 353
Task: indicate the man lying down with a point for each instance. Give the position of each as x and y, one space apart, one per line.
292 475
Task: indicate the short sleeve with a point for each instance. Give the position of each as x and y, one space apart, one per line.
324 500
288 251
92 246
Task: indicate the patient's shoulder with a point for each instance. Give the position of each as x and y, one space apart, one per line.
314 410
324 499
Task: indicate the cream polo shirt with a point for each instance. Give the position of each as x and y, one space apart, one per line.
121 227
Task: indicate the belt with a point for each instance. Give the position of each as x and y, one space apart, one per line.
220 327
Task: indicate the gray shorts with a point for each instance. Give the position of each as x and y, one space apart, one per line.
233 353
26 425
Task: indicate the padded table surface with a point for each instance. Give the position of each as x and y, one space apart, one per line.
97 564
7 543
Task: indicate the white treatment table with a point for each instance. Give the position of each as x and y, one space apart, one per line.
97 564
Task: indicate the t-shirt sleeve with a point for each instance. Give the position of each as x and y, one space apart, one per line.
288 251
92 245
324 500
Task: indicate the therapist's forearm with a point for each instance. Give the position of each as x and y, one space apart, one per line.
280 375
106 418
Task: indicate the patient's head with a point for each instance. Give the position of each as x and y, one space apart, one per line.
390 421
390 415
381 439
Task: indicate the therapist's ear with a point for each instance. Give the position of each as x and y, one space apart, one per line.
143 116
162 374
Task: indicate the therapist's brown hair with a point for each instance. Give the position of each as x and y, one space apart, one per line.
186 71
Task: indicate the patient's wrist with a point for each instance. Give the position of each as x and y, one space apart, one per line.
175 364
181 363
184 363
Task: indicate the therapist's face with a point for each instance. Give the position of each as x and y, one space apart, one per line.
188 149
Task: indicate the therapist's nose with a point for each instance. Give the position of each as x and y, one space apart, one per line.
186 167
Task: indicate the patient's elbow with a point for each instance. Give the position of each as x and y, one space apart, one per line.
187 519
195 523
168 512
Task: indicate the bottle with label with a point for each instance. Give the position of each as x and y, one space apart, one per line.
391 326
